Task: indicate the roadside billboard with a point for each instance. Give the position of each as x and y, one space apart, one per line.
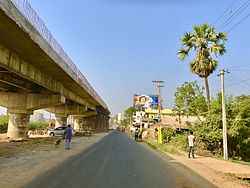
145 101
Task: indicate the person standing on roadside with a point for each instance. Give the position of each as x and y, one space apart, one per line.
136 134
191 138
68 135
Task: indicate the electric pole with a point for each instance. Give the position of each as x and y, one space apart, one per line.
224 120
159 85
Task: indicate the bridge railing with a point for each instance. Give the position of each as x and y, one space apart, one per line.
29 13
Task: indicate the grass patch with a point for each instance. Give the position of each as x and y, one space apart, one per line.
151 145
231 160
169 148
239 162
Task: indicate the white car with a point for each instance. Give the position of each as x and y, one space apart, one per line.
59 131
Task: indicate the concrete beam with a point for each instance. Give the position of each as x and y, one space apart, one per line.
29 101
14 63
67 109
89 113
44 101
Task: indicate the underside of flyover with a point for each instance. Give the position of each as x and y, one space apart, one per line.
33 76
13 37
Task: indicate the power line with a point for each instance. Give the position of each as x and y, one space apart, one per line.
244 81
239 80
228 8
235 77
235 84
243 19
234 15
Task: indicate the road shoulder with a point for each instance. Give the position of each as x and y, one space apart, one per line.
20 168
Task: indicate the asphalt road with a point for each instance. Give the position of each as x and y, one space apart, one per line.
118 161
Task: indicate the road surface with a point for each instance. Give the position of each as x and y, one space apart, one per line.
117 161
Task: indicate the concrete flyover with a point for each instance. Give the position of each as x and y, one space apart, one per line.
35 73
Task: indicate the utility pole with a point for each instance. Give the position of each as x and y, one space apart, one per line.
224 120
159 85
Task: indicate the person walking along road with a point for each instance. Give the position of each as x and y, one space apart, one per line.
136 134
117 161
68 135
191 138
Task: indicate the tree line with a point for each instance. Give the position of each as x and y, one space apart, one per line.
190 101
207 44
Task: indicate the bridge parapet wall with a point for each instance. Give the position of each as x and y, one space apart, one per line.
26 10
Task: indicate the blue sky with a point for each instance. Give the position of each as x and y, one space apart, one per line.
122 45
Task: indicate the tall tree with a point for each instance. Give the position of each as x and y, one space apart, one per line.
206 43
189 100
239 129
128 115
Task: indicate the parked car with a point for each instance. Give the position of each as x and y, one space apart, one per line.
59 131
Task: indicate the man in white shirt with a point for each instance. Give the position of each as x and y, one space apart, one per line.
191 144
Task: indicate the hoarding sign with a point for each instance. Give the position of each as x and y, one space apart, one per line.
145 101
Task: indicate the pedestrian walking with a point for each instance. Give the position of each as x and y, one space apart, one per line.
68 135
136 134
140 135
191 138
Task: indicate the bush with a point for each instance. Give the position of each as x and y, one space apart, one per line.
177 145
4 119
180 142
167 134
37 125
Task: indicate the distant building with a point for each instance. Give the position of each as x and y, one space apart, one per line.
119 118
37 116
153 113
3 111
151 116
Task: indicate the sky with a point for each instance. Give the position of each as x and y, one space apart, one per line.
122 45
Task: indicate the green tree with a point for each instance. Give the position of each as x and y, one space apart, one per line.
37 125
4 119
167 134
125 122
206 43
239 129
209 131
189 100
128 113
128 116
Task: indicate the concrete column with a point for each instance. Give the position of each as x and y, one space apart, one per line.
78 123
61 121
102 123
18 125
98 123
93 123
105 123
86 124
90 123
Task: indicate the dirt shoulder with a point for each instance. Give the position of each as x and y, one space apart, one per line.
22 161
219 172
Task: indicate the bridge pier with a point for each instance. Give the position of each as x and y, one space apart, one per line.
18 125
21 105
78 122
97 123
61 120
89 123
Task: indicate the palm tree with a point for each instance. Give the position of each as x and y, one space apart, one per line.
205 42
